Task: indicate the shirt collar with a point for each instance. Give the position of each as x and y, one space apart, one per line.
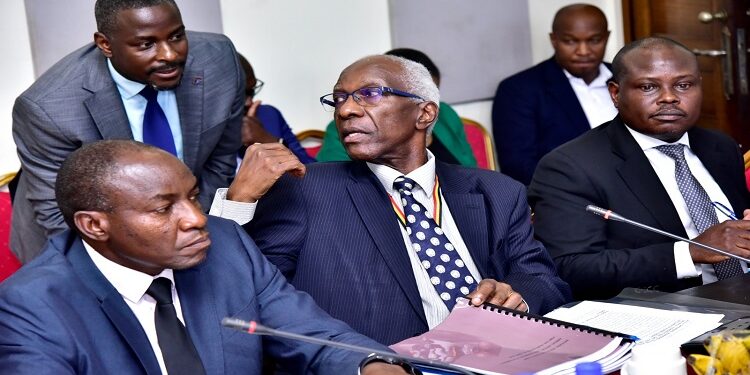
599 81
127 88
647 142
131 284
424 176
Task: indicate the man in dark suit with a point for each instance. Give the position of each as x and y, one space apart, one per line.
402 248
542 107
100 92
651 164
91 304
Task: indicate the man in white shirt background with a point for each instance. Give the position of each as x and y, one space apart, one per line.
542 107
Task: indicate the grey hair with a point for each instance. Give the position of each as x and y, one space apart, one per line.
417 80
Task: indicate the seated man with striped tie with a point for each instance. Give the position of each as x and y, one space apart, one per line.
388 241
141 282
651 164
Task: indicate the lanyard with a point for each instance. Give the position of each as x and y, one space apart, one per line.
437 205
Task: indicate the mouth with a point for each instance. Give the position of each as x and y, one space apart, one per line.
353 136
168 72
669 115
198 244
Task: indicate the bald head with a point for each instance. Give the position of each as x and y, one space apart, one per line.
576 13
621 62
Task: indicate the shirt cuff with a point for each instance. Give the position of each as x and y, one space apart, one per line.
683 262
239 212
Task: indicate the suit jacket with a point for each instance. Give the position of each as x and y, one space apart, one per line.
76 102
534 111
607 168
60 315
334 234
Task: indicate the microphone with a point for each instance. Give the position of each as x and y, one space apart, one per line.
254 328
609 215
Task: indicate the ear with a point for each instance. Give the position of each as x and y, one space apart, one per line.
553 40
614 93
92 224
102 42
428 115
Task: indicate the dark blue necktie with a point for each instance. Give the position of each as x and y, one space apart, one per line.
156 131
698 203
447 271
180 356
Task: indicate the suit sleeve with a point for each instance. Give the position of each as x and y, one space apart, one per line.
514 127
282 307
42 148
219 168
30 344
578 240
279 225
525 263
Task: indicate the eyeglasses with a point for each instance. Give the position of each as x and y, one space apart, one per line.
366 97
258 86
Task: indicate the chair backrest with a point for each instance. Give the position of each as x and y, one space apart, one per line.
311 140
747 169
481 144
8 261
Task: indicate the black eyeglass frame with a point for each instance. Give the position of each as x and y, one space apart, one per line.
383 89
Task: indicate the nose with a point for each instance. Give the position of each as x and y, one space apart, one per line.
668 96
350 107
583 49
166 52
192 216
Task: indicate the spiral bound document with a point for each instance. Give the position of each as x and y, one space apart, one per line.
496 340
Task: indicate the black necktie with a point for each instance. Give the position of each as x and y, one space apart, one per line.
180 356
698 203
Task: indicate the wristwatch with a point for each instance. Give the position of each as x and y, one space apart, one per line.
391 360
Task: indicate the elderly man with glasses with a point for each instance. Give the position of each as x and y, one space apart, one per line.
388 241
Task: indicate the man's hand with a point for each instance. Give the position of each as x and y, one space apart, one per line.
732 236
746 214
252 129
381 368
263 164
497 293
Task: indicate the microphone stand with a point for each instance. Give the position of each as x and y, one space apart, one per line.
609 215
254 328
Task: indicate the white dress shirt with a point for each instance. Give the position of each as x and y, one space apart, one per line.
664 167
434 307
132 286
594 97
135 107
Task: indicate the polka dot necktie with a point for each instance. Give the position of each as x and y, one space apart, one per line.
156 130
698 203
447 271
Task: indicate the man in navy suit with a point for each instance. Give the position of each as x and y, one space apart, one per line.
625 165
88 305
390 262
542 107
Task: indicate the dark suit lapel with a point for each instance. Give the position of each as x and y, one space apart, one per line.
105 105
201 319
558 87
719 165
469 213
112 305
190 106
638 175
374 207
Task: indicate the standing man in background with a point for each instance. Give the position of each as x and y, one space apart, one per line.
540 108
138 80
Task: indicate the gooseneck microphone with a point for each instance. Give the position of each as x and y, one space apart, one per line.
255 328
609 215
